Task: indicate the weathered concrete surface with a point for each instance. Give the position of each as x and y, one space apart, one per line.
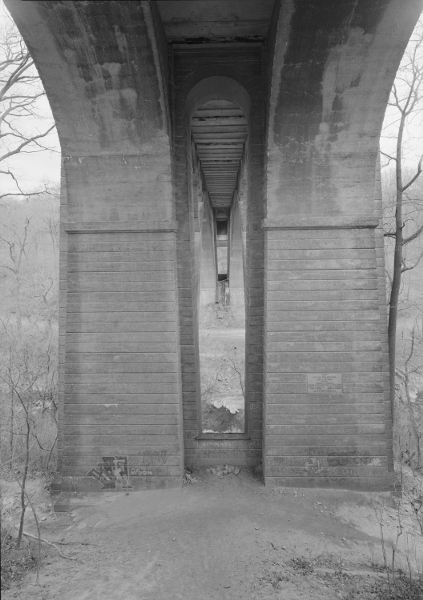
326 382
215 20
104 69
236 264
207 267
333 67
312 80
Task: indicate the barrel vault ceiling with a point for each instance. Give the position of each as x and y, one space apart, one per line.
218 128
219 131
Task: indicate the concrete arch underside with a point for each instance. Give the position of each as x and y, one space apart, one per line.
123 80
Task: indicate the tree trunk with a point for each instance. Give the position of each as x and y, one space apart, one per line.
12 427
23 484
398 259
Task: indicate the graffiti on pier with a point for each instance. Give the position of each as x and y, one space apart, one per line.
153 457
324 383
140 471
112 472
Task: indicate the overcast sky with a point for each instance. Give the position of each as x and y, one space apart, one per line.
37 168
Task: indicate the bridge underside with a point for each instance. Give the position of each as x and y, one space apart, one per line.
176 117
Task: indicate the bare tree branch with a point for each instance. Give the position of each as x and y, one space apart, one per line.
25 143
413 266
413 236
415 177
20 93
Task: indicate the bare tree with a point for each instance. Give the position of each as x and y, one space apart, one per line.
28 274
28 323
21 93
31 375
409 426
16 248
405 225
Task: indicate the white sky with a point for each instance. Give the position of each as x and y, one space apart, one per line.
38 168
33 169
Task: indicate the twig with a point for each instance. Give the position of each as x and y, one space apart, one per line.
75 544
53 545
37 523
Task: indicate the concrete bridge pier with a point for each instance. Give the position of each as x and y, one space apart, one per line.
120 387
236 265
207 266
326 392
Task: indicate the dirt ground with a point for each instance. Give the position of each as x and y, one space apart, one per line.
219 538
222 364
222 368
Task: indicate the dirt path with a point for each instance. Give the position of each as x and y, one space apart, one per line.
218 539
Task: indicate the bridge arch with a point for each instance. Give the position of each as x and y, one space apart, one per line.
124 80
217 111
218 88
